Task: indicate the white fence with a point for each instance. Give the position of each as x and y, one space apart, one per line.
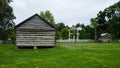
84 40
61 40
72 40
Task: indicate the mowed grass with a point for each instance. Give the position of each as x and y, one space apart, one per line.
64 55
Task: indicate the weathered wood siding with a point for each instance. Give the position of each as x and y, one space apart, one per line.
35 32
35 38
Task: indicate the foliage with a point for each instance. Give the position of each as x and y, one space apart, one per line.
64 33
58 35
93 22
94 25
81 55
47 15
78 25
60 26
109 20
87 32
6 19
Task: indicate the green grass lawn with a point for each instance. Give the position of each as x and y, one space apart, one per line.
64 55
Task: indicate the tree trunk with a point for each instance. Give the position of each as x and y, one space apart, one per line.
95 36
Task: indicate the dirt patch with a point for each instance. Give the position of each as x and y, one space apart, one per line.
68 46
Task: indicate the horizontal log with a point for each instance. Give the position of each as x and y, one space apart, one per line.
35 40
35 34
35 45
40 32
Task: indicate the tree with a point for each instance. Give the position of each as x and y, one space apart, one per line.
58 35
64 33
94 25
109 20
47 15
60 26
87 32
78 25
6 19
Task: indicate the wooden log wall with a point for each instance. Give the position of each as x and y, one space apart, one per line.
35 38
35 32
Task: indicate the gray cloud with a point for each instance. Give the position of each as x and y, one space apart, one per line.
69 12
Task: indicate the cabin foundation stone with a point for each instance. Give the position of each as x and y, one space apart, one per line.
35 47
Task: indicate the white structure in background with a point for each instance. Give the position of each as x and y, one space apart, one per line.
77 33
69 34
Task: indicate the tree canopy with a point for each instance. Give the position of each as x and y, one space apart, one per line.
108 20
47 15
60 26
6 19
94 25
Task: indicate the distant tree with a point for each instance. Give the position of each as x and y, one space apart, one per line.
67 26
47 15
78 25
60 30
64 33
60 26
11 34
58 35
94 25
87 32
113 20
6 19
109 21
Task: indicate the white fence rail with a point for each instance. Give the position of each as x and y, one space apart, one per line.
84 40
61 40
72 40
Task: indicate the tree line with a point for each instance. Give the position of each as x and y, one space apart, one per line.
63 30
106 21
6 21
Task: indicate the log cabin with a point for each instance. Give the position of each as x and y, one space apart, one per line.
105 37
35 32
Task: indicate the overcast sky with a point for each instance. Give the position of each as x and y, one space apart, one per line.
69 12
